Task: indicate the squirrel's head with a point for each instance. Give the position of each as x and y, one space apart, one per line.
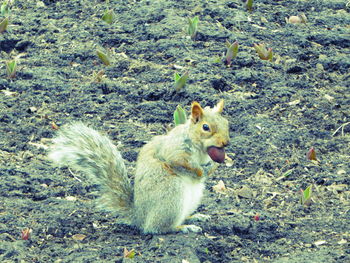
210 130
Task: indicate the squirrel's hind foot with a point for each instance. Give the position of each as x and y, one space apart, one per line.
189 228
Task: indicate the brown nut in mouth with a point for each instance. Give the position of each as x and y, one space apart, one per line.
217 154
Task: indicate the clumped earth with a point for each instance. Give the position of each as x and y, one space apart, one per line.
277 111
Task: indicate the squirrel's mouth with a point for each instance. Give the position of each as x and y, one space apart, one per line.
217 154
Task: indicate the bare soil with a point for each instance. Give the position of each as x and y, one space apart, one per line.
277 111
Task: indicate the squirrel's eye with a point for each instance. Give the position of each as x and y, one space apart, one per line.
206 127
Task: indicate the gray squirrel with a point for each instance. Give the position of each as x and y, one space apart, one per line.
170 169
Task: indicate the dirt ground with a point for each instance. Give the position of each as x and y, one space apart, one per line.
277 111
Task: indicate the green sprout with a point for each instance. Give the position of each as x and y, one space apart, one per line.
109 16
179 116
249 5
264 54
193 27
3 24
180 81
104 57
11 68
5 9
306 195
231 51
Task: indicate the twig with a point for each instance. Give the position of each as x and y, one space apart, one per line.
74 176
342 129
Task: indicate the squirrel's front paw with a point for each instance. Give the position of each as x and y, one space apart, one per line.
198 217
189 228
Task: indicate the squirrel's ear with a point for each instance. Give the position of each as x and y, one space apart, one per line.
219 107
196 112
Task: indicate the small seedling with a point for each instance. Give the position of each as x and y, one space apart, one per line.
231 52
249 5
11 68
193 27
5 9
180 81
98 76
109 16
3 24
104 57
179 116
129 253
25 234
306 195
264 54
311 154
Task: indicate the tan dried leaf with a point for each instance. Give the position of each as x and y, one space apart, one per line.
79 237
245 192
220 187
320 242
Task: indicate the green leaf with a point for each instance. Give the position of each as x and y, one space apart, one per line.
5 9
249 5
264 54
179 116
109 16
103 57
193 27
11 68
180 81
288 173
269 54
231 52
306 195
176 76
3 25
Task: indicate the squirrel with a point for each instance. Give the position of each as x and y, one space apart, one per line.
170 171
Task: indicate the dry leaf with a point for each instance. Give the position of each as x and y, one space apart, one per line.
9 93
328 97
79 237
220 187
54 126
70 198
320 242
26 233
228 161
343 241
209 236
337 188
294 102
245 192
341 171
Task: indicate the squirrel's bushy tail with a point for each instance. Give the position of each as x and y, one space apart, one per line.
86 150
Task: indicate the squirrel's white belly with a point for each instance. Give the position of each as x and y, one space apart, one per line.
192 195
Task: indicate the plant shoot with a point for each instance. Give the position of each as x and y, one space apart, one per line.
193 27
264 54
231 52
179 116
180 81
